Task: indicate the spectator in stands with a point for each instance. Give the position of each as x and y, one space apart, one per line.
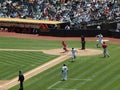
55 26
67 27
73 11
98 27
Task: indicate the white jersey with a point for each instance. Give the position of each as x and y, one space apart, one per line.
100 38
64 69
73 52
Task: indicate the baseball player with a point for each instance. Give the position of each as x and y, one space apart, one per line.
83 42
64 46
105 53
73 52
100 40
64 72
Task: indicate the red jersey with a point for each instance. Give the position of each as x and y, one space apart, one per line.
64 44
104 45
41 26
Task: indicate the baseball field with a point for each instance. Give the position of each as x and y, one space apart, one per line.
90 71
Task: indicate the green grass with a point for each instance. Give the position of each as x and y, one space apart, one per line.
102 74
86 73
6 42
13 61
18 43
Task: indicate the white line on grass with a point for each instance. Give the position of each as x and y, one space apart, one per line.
75 79
62 89
54 84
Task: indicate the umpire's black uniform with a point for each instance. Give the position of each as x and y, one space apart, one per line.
83 42
21 79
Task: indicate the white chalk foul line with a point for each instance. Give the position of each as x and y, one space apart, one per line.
75 79
53 84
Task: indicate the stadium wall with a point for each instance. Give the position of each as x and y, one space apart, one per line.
75 33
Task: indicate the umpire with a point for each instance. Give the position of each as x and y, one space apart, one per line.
83 42
21 79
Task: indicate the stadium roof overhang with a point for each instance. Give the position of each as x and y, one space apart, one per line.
26 23
18 20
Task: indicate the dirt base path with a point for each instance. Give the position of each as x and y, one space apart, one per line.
5 85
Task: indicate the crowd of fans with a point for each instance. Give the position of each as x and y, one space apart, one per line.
73 11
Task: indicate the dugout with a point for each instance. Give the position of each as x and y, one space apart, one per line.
55 28
28 25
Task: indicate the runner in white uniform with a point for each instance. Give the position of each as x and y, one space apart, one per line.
100 40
